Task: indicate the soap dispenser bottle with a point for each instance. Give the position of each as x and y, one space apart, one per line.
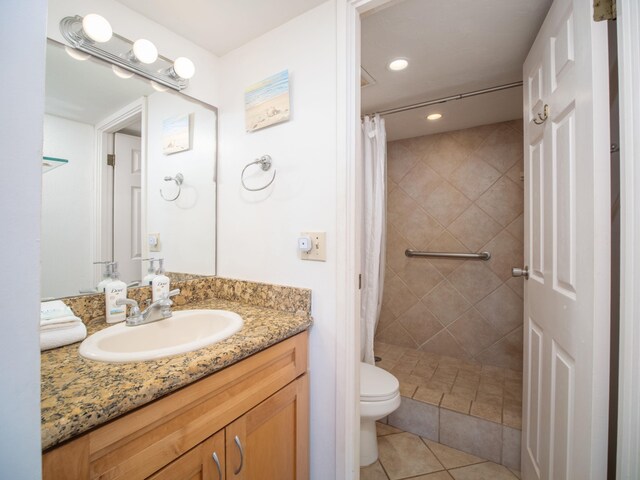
106 276
151 272
160 283
115 290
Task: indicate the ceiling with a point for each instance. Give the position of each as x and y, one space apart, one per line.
221 25
453 47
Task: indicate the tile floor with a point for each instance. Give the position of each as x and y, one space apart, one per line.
404 455
483 391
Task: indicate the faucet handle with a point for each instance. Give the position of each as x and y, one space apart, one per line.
173 293
135 309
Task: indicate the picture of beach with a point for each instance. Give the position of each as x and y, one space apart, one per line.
267 102
175 134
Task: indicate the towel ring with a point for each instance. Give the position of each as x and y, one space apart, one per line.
178 179
265 164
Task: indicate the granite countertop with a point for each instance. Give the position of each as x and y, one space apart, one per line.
78 394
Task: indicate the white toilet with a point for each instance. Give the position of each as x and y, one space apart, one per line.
379 396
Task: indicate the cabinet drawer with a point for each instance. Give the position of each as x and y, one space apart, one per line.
140 443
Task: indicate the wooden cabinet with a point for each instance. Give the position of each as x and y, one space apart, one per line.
263 401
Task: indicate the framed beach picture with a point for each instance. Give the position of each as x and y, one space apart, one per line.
267 102
176 134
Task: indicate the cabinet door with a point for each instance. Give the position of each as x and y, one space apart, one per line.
271 441
205 461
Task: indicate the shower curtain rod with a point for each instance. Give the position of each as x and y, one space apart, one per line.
446 99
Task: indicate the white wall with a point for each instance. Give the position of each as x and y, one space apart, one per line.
67 201
186 225
22 100
257 231
124 21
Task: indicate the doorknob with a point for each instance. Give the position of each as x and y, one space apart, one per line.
520 272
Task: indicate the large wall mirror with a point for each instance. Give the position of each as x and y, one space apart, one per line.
119 171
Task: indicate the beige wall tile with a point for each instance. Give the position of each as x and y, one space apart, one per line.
446 242
503 201
507 352
420 276
472 138
474 280
506 252
445 203
444 344
446 155
417 226
502 148
474 228
517 285
400 160
474 176
420 323
397 297
397 335
516 228
503 309
516 172
446 303
420 182
472 332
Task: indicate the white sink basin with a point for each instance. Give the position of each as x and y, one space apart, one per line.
185 331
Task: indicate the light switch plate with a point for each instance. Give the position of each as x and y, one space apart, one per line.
318 250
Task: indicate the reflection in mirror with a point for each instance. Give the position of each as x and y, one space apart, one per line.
126 142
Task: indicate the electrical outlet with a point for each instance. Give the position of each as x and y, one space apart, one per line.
153 240
318 250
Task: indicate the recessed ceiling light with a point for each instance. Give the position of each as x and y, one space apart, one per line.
434 116
398 64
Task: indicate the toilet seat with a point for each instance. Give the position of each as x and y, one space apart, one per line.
376 384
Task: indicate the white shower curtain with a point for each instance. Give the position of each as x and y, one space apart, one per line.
374 157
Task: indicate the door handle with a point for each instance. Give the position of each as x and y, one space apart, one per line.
520 272
239 445
217 462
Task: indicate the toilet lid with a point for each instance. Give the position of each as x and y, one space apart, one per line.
377 384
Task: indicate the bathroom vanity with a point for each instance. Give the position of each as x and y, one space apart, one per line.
237 409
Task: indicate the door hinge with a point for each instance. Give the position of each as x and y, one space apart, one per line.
360 281
111 159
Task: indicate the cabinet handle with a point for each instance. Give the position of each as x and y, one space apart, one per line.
239 445
217 462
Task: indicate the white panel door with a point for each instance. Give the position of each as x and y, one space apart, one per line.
127 205
567 249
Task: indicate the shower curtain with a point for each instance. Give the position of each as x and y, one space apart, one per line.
374 157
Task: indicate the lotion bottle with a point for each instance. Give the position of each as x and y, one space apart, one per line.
106 276
151 273
115 290
160 283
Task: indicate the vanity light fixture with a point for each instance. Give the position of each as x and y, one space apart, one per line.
434 116
398 64
97 28
76 54
92 34
121 72
144 51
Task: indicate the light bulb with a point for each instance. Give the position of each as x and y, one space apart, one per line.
76 54
398 64
184 67
157 87
434 116
145 51
97 28
121 72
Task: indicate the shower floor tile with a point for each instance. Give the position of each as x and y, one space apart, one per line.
404 455
483 391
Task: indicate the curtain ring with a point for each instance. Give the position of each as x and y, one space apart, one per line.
178 179
543 117
265 164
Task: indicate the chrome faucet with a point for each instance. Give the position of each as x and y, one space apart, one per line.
158 310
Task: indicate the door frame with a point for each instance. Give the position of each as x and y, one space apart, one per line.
628 23
102 208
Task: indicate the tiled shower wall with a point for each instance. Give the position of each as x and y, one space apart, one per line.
458 191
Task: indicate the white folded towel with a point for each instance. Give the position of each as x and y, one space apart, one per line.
54 309
60 322
58 337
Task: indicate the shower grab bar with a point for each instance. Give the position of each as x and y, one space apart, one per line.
474 256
